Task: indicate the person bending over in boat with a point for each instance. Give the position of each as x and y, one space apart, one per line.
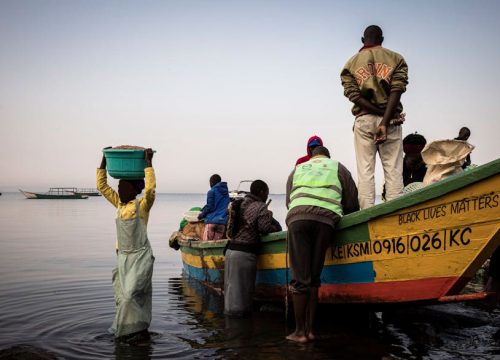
215 211
132 277
318 193
240 265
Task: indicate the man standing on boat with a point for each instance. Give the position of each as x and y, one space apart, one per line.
215 211
318 193
374 80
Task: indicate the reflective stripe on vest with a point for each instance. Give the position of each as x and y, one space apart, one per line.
316 183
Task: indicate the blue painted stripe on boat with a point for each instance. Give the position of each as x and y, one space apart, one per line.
333 274
361 272
210 275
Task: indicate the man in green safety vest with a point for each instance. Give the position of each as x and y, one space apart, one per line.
318 193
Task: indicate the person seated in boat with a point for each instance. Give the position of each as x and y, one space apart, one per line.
132 277
214 213
311 144
318 193
414 167
240 265
463 135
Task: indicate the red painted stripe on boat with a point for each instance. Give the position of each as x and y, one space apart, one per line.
391 291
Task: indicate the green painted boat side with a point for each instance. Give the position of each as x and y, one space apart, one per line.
353 228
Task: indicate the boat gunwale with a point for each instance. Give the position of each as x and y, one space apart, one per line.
427 193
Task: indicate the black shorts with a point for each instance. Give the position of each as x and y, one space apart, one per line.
307 244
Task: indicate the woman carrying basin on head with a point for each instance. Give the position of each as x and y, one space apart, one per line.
132 278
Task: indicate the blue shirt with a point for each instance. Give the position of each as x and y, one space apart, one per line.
215 211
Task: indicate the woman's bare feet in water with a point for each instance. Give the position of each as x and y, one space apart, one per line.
311 336
298 337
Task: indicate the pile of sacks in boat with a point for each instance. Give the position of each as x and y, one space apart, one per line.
189 228
443 158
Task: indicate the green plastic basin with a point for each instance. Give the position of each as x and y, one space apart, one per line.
125 164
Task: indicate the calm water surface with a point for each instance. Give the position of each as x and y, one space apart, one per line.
56 293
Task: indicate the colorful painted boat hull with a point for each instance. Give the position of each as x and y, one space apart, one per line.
423 246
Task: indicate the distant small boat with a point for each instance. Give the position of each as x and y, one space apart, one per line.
87 191
240 192
55 193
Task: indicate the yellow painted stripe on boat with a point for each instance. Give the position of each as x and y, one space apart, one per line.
390 265
451 262
472 213
272 261
475 204
266 261
210 262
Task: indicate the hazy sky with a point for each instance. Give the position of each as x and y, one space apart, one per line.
228 87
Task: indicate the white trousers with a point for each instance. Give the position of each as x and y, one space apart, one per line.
391 156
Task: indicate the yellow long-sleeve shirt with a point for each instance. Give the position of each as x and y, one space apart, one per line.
127 211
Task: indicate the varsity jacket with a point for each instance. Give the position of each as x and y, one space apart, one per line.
373 73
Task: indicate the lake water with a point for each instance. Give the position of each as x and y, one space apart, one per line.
56 294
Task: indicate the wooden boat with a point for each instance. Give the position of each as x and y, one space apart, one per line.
242 189
421 247
87 191
55 193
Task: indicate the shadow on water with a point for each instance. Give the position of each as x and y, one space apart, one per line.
452 331
136 351
263 334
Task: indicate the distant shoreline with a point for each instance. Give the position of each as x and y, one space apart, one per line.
157 193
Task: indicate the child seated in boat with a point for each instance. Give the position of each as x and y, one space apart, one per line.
132 278
214 213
